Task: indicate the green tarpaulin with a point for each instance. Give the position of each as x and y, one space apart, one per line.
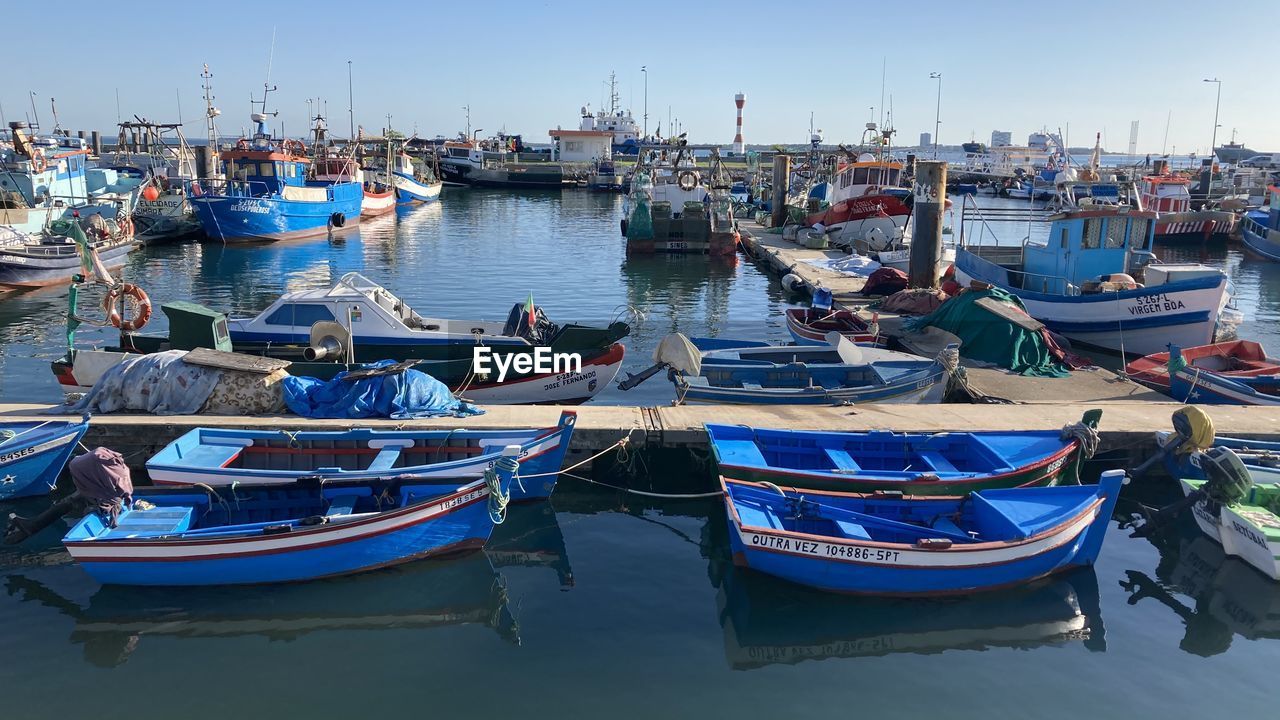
988 337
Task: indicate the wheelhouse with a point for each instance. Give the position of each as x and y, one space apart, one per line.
1166 194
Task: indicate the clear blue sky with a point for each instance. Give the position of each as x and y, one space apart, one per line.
529 66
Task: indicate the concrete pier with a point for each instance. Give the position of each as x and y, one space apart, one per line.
1127 426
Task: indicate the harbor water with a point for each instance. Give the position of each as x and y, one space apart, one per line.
599 603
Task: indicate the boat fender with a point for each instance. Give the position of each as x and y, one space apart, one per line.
141 315
337 220
792 283
624 226
38 162
690 177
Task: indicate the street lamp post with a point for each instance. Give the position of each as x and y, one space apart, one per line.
1213 144
937 113
644 69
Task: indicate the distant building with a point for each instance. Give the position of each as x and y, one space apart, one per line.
1039 141
581 145
926 139
1001 138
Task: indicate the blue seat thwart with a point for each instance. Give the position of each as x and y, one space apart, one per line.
937 461
385 459
853 531
152 522
947 525
842 460
341 505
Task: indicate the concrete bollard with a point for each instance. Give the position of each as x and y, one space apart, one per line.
781 178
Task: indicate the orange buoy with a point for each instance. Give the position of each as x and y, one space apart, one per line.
150 193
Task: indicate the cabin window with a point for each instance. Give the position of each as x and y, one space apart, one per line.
299 315
1138 231
230 168
267 169
573 146
1062 238
1092 234
860 176
290 170
1115 233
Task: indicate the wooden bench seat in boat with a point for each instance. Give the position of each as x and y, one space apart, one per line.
937 461
151 522
947 525
851 530
842 460
341 505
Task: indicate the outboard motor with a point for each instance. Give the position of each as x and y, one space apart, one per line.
328 348
103 485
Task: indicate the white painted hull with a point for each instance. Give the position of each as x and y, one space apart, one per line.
1118 325
560 388
1241 538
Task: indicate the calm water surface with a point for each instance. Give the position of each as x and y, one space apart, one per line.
599 604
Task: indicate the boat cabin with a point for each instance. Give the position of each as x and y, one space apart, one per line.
463 153
867 176
1084 249
1166 194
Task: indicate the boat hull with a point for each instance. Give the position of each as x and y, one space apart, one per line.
32 460
809 326
926 386
375 204
1195 225
1260 241
1032 468
1237 358
865 567
22 269
1202 387
453 523
268 219
567 388
1133 322
205 457
409 191
1248 532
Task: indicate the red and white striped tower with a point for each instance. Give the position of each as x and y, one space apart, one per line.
738 145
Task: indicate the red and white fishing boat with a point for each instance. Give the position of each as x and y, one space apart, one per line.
865 196
378 199
1169 196
1238 358
809 326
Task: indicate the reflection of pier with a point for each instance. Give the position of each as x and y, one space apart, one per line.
768 622
531 537
427 594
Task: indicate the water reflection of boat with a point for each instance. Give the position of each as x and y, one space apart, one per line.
1226 596
768 622
531 537
466 590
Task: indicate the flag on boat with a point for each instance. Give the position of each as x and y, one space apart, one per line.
528 308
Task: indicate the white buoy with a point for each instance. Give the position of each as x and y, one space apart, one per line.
792 283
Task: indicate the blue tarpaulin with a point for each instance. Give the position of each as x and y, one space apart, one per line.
400 396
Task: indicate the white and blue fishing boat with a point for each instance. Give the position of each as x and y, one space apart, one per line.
44 187
272 191
1200 386
284 533
841 373
1260 230
32 455
415 183
901 545
1080 282
945 463
245 458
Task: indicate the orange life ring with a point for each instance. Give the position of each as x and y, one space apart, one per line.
38 161
138 321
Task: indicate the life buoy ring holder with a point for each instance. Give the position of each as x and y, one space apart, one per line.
691 176
139 320
38 161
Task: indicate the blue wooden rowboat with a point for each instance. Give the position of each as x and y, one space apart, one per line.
1199 386
948 463
217 457
896 545
282 533
33 454
810 375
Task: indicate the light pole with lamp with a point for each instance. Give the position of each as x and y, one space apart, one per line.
937 114
645 69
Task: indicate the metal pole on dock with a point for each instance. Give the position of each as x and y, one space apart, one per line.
930 196
96 142
781 176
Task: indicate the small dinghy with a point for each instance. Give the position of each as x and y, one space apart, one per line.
218 457
947 463
1235 359
1199 386
896 545
809 326
32 455
840 373
284 533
